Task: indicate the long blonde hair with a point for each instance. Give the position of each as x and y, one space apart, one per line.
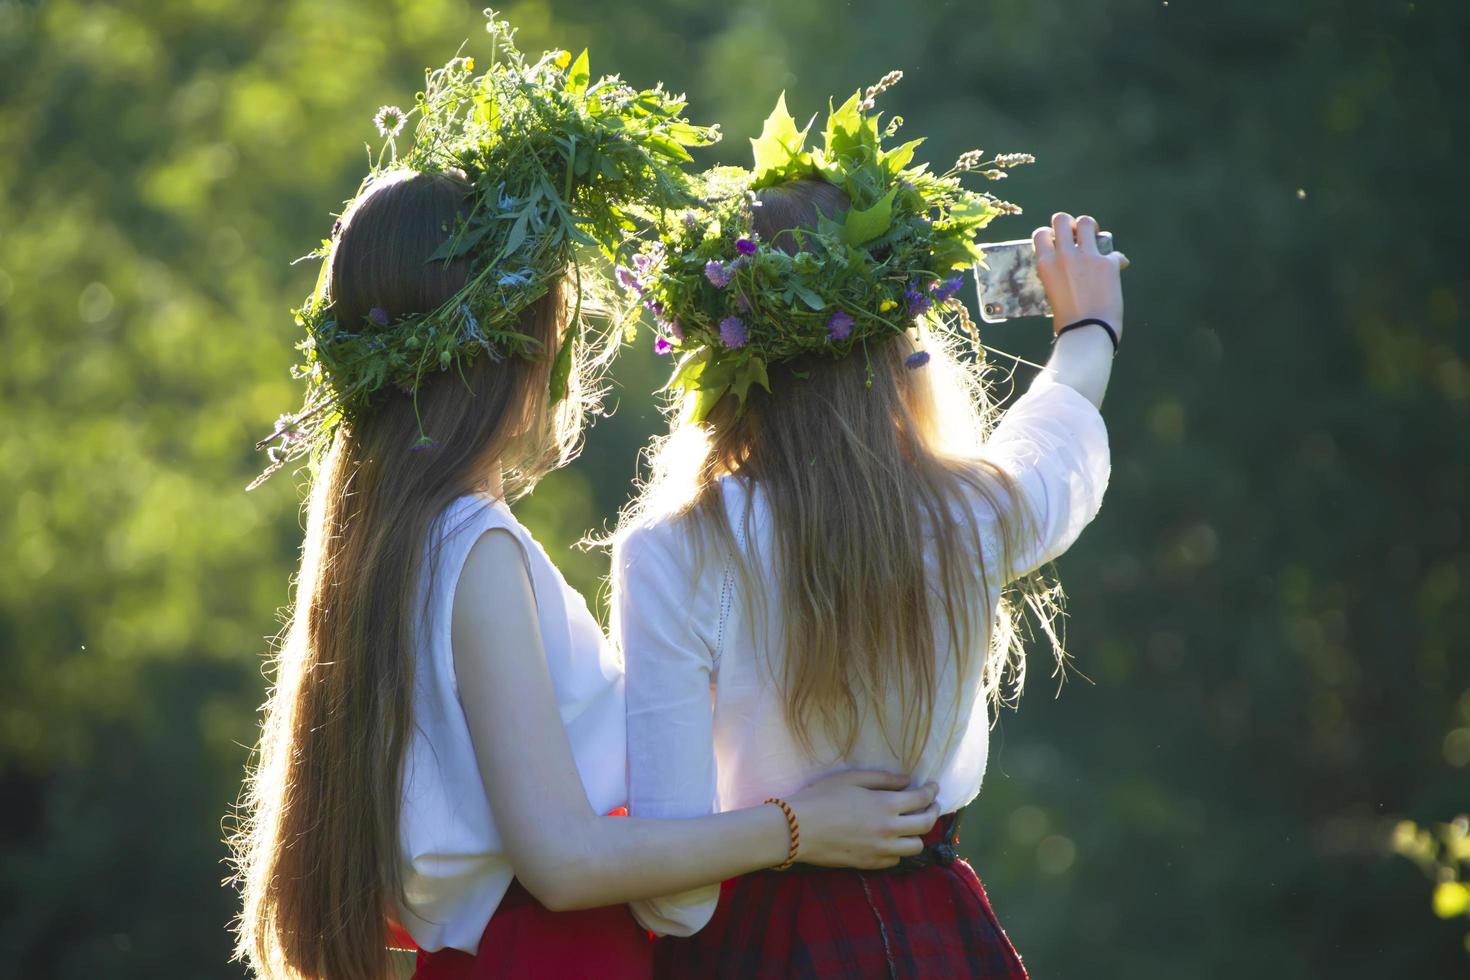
316 848
868 467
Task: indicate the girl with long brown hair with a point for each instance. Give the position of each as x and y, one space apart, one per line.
847 534
445 731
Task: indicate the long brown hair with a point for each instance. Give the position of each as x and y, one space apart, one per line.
866 465
317 850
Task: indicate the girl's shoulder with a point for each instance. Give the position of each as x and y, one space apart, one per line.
661 538
470 516
465 520
674 542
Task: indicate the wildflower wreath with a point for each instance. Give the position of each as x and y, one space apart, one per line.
556 161
731 304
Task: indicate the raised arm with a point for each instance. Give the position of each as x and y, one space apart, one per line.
570 857
1080 283
1052 443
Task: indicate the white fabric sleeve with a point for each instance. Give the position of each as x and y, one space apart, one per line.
1053 444
671 758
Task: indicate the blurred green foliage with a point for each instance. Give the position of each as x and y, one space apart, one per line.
1271 608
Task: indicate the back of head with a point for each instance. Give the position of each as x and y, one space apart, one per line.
856 462
495 409
788 209
380 256
318 851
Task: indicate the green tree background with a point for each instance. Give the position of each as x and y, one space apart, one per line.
1270 609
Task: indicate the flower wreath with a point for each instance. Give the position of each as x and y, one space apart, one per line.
556 161
731 304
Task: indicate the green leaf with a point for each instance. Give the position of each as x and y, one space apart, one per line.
320 289
691 366
808 297
751 372
707 400
689 134
579 75
561 368
779 144
579 236
517 234
712 384
650 102
898 157
487 109
669 146
973 213
866 225
457 245
844 125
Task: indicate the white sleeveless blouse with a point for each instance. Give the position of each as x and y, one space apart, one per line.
455 870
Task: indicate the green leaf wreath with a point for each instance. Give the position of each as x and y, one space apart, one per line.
730 304
558 162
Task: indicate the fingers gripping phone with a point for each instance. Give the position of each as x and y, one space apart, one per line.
1009 285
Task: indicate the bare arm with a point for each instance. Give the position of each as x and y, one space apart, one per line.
570 857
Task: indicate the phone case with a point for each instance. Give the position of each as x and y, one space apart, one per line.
1007 280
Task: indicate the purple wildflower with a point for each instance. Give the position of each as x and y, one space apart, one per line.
745 246
944 291
716 273
628 280
654 306
732 332
673 327
287 430
916 360
661 346
742 302
379 316
839 325
642 262
916 302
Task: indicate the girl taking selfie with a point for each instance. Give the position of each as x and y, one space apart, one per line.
827 566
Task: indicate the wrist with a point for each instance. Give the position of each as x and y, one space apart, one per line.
1114 319
769 838
793 833
1084 342
1091 323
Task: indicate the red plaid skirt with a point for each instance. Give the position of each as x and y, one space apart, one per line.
931 922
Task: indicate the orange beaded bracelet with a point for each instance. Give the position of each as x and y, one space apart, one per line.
792 829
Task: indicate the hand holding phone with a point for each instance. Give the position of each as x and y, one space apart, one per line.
1009 283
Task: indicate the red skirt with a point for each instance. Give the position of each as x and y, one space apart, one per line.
525 939
931 922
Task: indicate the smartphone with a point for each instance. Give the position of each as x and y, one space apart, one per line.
1009 286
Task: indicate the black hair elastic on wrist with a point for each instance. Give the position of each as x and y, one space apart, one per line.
1112 334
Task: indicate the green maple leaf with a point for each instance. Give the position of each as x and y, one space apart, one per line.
780 149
